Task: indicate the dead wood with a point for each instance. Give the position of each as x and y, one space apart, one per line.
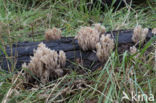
21 52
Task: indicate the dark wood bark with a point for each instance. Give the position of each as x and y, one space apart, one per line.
21 52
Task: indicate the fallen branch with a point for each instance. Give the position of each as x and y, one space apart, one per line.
21 52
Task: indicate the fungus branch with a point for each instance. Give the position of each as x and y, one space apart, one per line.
139 34
133 50
104 47
101 29
154 31
88 37
53 34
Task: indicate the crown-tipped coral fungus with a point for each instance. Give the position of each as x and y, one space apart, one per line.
154 31
87 38
104 47
46 64
139 34
53 34
101 29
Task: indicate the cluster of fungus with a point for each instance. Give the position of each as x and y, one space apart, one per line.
53 34
154 31
133 50
46 64
88 37
104 47
139 34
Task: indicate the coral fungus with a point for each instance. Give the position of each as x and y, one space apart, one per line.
101 29
53 34
62 58
46 64
87 38
104 47
139 34
133 50
154 31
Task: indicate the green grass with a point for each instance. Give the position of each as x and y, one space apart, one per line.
18 19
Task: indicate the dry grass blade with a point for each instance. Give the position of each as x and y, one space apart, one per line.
5 99
53 89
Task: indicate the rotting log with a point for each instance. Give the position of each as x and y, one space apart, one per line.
21 52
